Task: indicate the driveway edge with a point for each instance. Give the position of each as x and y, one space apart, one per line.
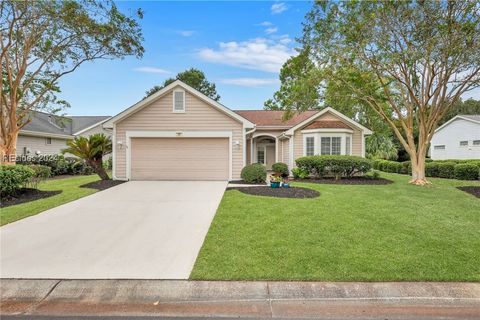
239 298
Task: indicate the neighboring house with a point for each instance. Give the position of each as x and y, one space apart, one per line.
179 133
458 138
48 134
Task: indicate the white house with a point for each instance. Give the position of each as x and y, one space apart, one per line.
458 138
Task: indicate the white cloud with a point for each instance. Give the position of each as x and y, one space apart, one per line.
186 33
265 24
278 8
271 30
152 70
257 54
250 82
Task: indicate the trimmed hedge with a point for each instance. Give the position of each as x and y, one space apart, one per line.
338 166
466 171
13 178
59 164
280 168
254 173
449 169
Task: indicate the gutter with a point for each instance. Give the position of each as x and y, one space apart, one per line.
45 134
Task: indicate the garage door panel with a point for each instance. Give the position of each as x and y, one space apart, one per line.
180 159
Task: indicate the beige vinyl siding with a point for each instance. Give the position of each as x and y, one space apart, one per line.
198 116
180 159
35 144
284 149
328 116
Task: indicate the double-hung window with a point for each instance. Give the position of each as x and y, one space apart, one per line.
310 146
178 101
331 145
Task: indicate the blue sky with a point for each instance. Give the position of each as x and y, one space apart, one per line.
239 45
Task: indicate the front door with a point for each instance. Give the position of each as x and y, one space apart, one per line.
270 150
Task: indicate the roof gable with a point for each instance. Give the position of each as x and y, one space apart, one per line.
177 83
327 124
475 118
340 115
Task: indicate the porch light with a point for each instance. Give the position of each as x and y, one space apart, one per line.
120 144
237 143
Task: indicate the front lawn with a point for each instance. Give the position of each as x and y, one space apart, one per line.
70 191
396 232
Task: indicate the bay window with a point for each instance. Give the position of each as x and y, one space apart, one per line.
325 143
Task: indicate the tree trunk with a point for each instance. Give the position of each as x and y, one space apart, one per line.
99 169
418 170
8 149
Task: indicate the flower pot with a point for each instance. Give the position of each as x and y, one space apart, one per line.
286 185
275 184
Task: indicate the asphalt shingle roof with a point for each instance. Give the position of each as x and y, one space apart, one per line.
48 123
274 118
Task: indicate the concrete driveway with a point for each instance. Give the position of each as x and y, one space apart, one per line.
137 230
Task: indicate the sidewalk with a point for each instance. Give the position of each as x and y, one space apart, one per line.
326 300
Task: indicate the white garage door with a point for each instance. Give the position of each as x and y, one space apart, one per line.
179 159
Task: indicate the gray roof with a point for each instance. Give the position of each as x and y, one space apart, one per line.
42 122
474 117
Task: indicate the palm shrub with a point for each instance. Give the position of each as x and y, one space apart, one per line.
92 150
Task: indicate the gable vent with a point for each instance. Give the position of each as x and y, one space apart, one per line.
179 101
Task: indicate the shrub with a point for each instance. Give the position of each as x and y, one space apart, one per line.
374 174
466 171
13 178
338 166
431 169
406 167
446 169
376 164
254 173
393 167
80 167
280 168
41 173
299 173
57 163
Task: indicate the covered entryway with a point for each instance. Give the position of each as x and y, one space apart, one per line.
180 159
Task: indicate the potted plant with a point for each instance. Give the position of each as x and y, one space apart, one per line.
275 181
285 182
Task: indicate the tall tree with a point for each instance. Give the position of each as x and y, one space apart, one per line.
419 58
42 41
470 106
194 78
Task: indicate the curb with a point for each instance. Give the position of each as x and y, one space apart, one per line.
267 299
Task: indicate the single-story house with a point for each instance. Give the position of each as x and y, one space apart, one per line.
47 133
456 139
179 133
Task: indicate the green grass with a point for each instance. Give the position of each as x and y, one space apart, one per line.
396 232
70 191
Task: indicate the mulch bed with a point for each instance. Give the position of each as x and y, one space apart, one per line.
473 190
350 181
102 184
245 182
26 195
292 192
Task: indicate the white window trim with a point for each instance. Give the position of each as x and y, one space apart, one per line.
439 145
177 134
351 145
173 101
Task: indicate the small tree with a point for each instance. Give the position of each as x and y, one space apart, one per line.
194 78
92 150
408 61
42 41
